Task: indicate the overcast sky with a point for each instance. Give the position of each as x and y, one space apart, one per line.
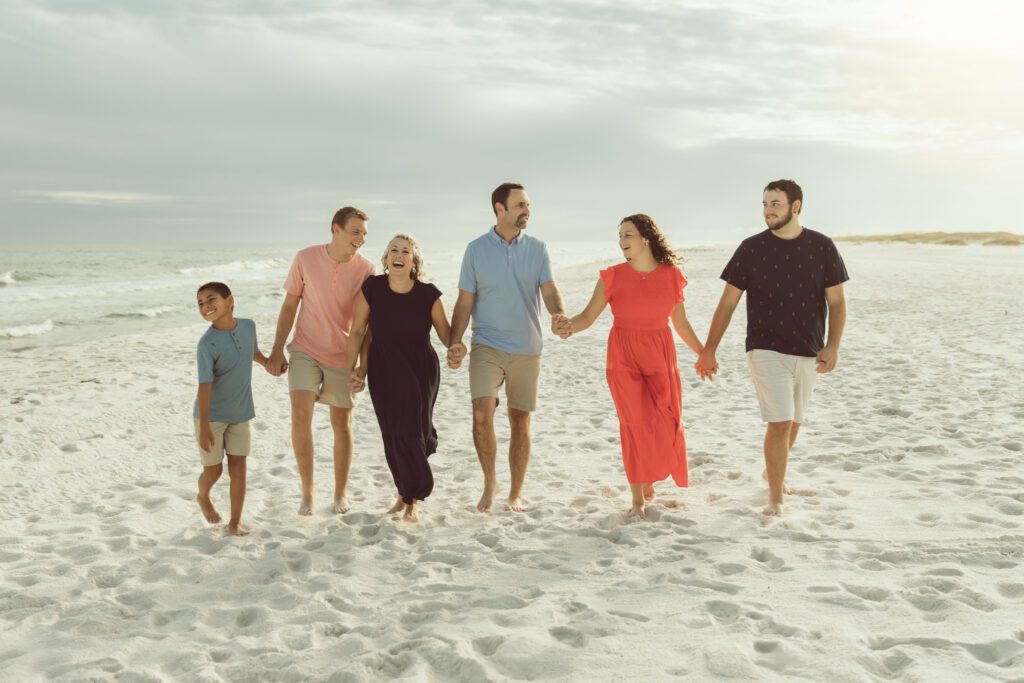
253 121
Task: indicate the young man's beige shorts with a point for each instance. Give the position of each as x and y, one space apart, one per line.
783 384
330 385
233 439
489 368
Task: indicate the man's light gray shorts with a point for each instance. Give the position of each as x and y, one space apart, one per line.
783 384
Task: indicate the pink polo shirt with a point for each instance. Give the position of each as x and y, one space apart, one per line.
328 290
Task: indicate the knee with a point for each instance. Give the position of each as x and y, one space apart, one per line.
341 420
236 465
483 420
213 472
780 428
519 421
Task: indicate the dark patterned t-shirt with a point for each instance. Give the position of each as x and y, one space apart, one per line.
785 282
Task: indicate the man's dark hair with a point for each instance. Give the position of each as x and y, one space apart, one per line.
218 287
342 215
501 193
790 188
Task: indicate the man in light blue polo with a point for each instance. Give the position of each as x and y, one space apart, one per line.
505 273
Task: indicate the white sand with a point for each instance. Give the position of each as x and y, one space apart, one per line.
902 560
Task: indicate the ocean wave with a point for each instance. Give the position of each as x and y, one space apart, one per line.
153 312
26 330
7 278
235 266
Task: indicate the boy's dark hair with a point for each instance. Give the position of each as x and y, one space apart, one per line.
342 215
218 287
501 193
793 191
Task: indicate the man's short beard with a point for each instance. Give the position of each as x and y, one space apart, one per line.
782 223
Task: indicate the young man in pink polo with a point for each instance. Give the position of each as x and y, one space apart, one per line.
325 279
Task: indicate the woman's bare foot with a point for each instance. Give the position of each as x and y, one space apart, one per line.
237 529
515 505
638 510
773 510
397 507
209 512
410 513
306 506
649 492
341 505
785 489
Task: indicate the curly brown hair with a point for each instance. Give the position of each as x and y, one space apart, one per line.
649 230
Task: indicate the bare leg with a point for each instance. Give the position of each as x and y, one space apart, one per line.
410 512
341 422
486 448
302 444
776 456
518 456
207 479
649 492
639 503
397 507
794 430
236 470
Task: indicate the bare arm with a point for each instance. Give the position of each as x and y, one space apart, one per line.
440 321
357 332
460 320
684 329
593 309
835 297
276 363
259 358
552 298
203 401
707 364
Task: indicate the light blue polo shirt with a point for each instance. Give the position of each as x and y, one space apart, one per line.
506 279
224 357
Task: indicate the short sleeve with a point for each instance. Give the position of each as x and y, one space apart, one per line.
680 283
545 266
736 270
835 269
608 278
433 293
255 339
204 364
294 283
367 290
467 277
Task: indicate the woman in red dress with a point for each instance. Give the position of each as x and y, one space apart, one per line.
645 293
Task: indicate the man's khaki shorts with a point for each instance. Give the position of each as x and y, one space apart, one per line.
330 385
233 439
489 368
783 383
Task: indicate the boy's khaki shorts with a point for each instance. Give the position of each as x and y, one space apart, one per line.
783 383
233 439
330 385
489 368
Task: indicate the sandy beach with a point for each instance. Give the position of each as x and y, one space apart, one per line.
901 558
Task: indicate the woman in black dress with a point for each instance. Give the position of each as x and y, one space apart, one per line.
403 368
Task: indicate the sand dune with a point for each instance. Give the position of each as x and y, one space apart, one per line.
899 559
1002 239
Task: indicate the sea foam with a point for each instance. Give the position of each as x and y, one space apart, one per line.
236 266
26 330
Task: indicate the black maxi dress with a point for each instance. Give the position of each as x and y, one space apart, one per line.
403 379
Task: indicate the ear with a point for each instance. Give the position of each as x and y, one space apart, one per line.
231 301
797 205
335 228
499 208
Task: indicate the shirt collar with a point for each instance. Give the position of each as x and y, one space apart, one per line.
500 240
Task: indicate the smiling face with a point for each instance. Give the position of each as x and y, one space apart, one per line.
402 258
631 242
213 307
517 215
351 236
777 210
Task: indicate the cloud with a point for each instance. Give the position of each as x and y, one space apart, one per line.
92 198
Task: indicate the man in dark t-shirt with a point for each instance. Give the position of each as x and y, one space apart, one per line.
793 277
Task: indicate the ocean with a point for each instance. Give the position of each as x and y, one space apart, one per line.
66 294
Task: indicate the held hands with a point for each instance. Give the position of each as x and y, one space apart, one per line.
561 325
827 359
357 379
706 365
456 352
276 363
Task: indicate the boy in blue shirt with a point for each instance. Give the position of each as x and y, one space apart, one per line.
224 404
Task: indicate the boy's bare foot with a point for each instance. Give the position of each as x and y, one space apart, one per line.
773 510
397 507
785 489
637 510
649 492
341 505
410 513
236 530
209 512
306 506
515 504
487 499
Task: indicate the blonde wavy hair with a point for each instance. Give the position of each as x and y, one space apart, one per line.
417 273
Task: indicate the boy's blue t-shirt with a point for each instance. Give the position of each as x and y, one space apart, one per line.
224 357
